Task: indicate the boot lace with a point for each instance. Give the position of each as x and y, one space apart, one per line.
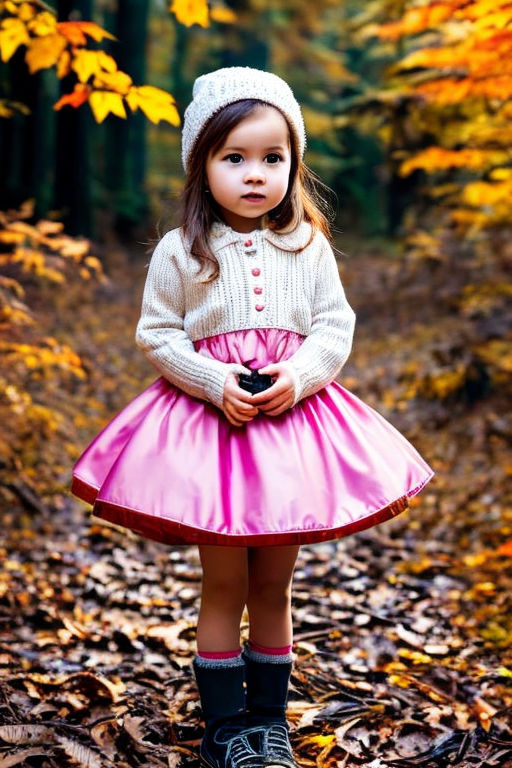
239 752
277 749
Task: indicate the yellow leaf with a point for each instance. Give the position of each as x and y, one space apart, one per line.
415 656
13 33
115 81
26 11
105 102
190 12
86 63
44 24
44 52
93 262
64 64
156 104
223 15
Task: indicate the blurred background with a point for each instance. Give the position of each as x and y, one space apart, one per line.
408 107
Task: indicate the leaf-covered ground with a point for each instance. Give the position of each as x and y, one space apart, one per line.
402 633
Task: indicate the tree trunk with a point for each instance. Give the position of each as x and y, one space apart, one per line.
73 151
125 163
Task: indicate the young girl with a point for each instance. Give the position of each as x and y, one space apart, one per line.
247 284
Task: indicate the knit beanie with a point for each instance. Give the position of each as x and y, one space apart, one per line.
225 86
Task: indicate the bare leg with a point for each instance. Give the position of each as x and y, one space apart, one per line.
223 597
269 597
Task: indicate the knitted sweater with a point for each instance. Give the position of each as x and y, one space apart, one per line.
265 281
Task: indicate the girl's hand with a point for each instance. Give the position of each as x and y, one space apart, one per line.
237 403
280 396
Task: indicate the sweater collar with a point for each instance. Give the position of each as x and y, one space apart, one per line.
222 235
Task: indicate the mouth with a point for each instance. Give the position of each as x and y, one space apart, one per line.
253 197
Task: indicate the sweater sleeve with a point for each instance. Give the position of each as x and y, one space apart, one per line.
160 331
324 351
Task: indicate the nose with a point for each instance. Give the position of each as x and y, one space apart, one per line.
254 174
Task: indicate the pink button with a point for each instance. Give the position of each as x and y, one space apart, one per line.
259 307
258 290
256 271
248 243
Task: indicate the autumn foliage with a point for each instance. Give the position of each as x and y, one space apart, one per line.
455 75
36 261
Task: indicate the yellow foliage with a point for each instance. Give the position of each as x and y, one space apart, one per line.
13 33
104 103
417 20
156 104
498 352
43 24
61 45
415 656
223 15
480 193
437 158
117 81
26 11
87 63
190 12
44 52
440 385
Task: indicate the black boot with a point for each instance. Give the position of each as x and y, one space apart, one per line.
225 743
267 696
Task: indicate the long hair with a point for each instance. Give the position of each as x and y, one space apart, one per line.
303 200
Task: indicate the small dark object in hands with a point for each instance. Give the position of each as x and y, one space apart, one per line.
254 382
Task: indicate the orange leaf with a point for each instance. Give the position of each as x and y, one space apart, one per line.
75 31
505 549
76 98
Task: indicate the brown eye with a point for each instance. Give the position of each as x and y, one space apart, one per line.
273 158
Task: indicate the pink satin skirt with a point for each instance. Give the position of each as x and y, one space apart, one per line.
172 468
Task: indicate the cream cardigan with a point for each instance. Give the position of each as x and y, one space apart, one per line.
265 281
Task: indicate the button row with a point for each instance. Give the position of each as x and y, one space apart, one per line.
256 272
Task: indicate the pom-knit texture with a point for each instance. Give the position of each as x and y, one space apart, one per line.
225 86
300 291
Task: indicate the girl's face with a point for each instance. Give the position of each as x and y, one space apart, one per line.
248 175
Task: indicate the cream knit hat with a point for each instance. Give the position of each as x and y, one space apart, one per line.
217 89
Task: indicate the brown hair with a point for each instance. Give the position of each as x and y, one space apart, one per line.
302 201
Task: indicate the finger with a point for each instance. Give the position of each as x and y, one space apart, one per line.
241 415
276 402
243 407
243 395
278 410
268 394
271 370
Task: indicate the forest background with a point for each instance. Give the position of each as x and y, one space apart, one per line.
403 633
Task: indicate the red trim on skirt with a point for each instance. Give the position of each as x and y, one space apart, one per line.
171 532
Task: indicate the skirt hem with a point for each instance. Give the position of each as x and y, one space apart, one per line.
169 531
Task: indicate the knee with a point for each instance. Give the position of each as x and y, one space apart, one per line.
272 592
229 591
